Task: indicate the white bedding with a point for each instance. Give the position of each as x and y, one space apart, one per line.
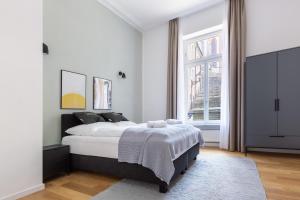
93 146
99 139
101 129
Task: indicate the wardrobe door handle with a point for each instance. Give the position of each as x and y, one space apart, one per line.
278 104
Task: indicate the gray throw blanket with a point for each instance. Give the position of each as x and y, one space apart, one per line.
156 148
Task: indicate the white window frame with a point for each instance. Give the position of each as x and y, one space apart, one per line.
201 35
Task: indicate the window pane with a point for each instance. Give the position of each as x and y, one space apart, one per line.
191 51
213 46
214 89
204 48
196 91
203 77
199 49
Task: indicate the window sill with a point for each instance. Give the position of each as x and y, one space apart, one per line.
206 126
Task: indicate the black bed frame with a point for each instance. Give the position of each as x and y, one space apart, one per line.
110 166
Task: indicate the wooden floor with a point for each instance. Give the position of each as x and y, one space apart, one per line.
280 174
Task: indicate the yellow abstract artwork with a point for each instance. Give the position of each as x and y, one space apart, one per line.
73 90
73 101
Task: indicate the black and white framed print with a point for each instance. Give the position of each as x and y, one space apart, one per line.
73 90
102 91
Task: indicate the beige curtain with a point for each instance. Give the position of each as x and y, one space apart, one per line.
236 44
172 69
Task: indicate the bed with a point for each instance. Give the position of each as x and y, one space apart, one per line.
100 155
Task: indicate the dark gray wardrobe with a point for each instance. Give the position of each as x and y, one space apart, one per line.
272 103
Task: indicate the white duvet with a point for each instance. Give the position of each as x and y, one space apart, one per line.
101 129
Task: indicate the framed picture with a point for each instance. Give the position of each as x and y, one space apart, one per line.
102 94
73 90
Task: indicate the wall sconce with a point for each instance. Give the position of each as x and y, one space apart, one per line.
122 75
45 49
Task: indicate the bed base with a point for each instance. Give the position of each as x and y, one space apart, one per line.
112 167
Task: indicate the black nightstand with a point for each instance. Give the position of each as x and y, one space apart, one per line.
56 161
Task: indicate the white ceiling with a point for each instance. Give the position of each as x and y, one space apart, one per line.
145 14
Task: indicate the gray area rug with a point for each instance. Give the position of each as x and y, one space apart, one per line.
211 177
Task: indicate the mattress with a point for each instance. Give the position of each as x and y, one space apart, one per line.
93 146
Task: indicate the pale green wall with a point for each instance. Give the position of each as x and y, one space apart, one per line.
85 37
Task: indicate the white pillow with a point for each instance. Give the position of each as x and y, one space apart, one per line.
109 132
89 129
100 129
125 123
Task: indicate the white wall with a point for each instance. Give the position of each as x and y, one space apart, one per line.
272 25
203 19
85 37
21 97
155 59
211 137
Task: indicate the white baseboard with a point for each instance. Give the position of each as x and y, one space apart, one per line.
211 144
24 193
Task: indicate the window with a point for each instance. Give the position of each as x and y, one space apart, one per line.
203 72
